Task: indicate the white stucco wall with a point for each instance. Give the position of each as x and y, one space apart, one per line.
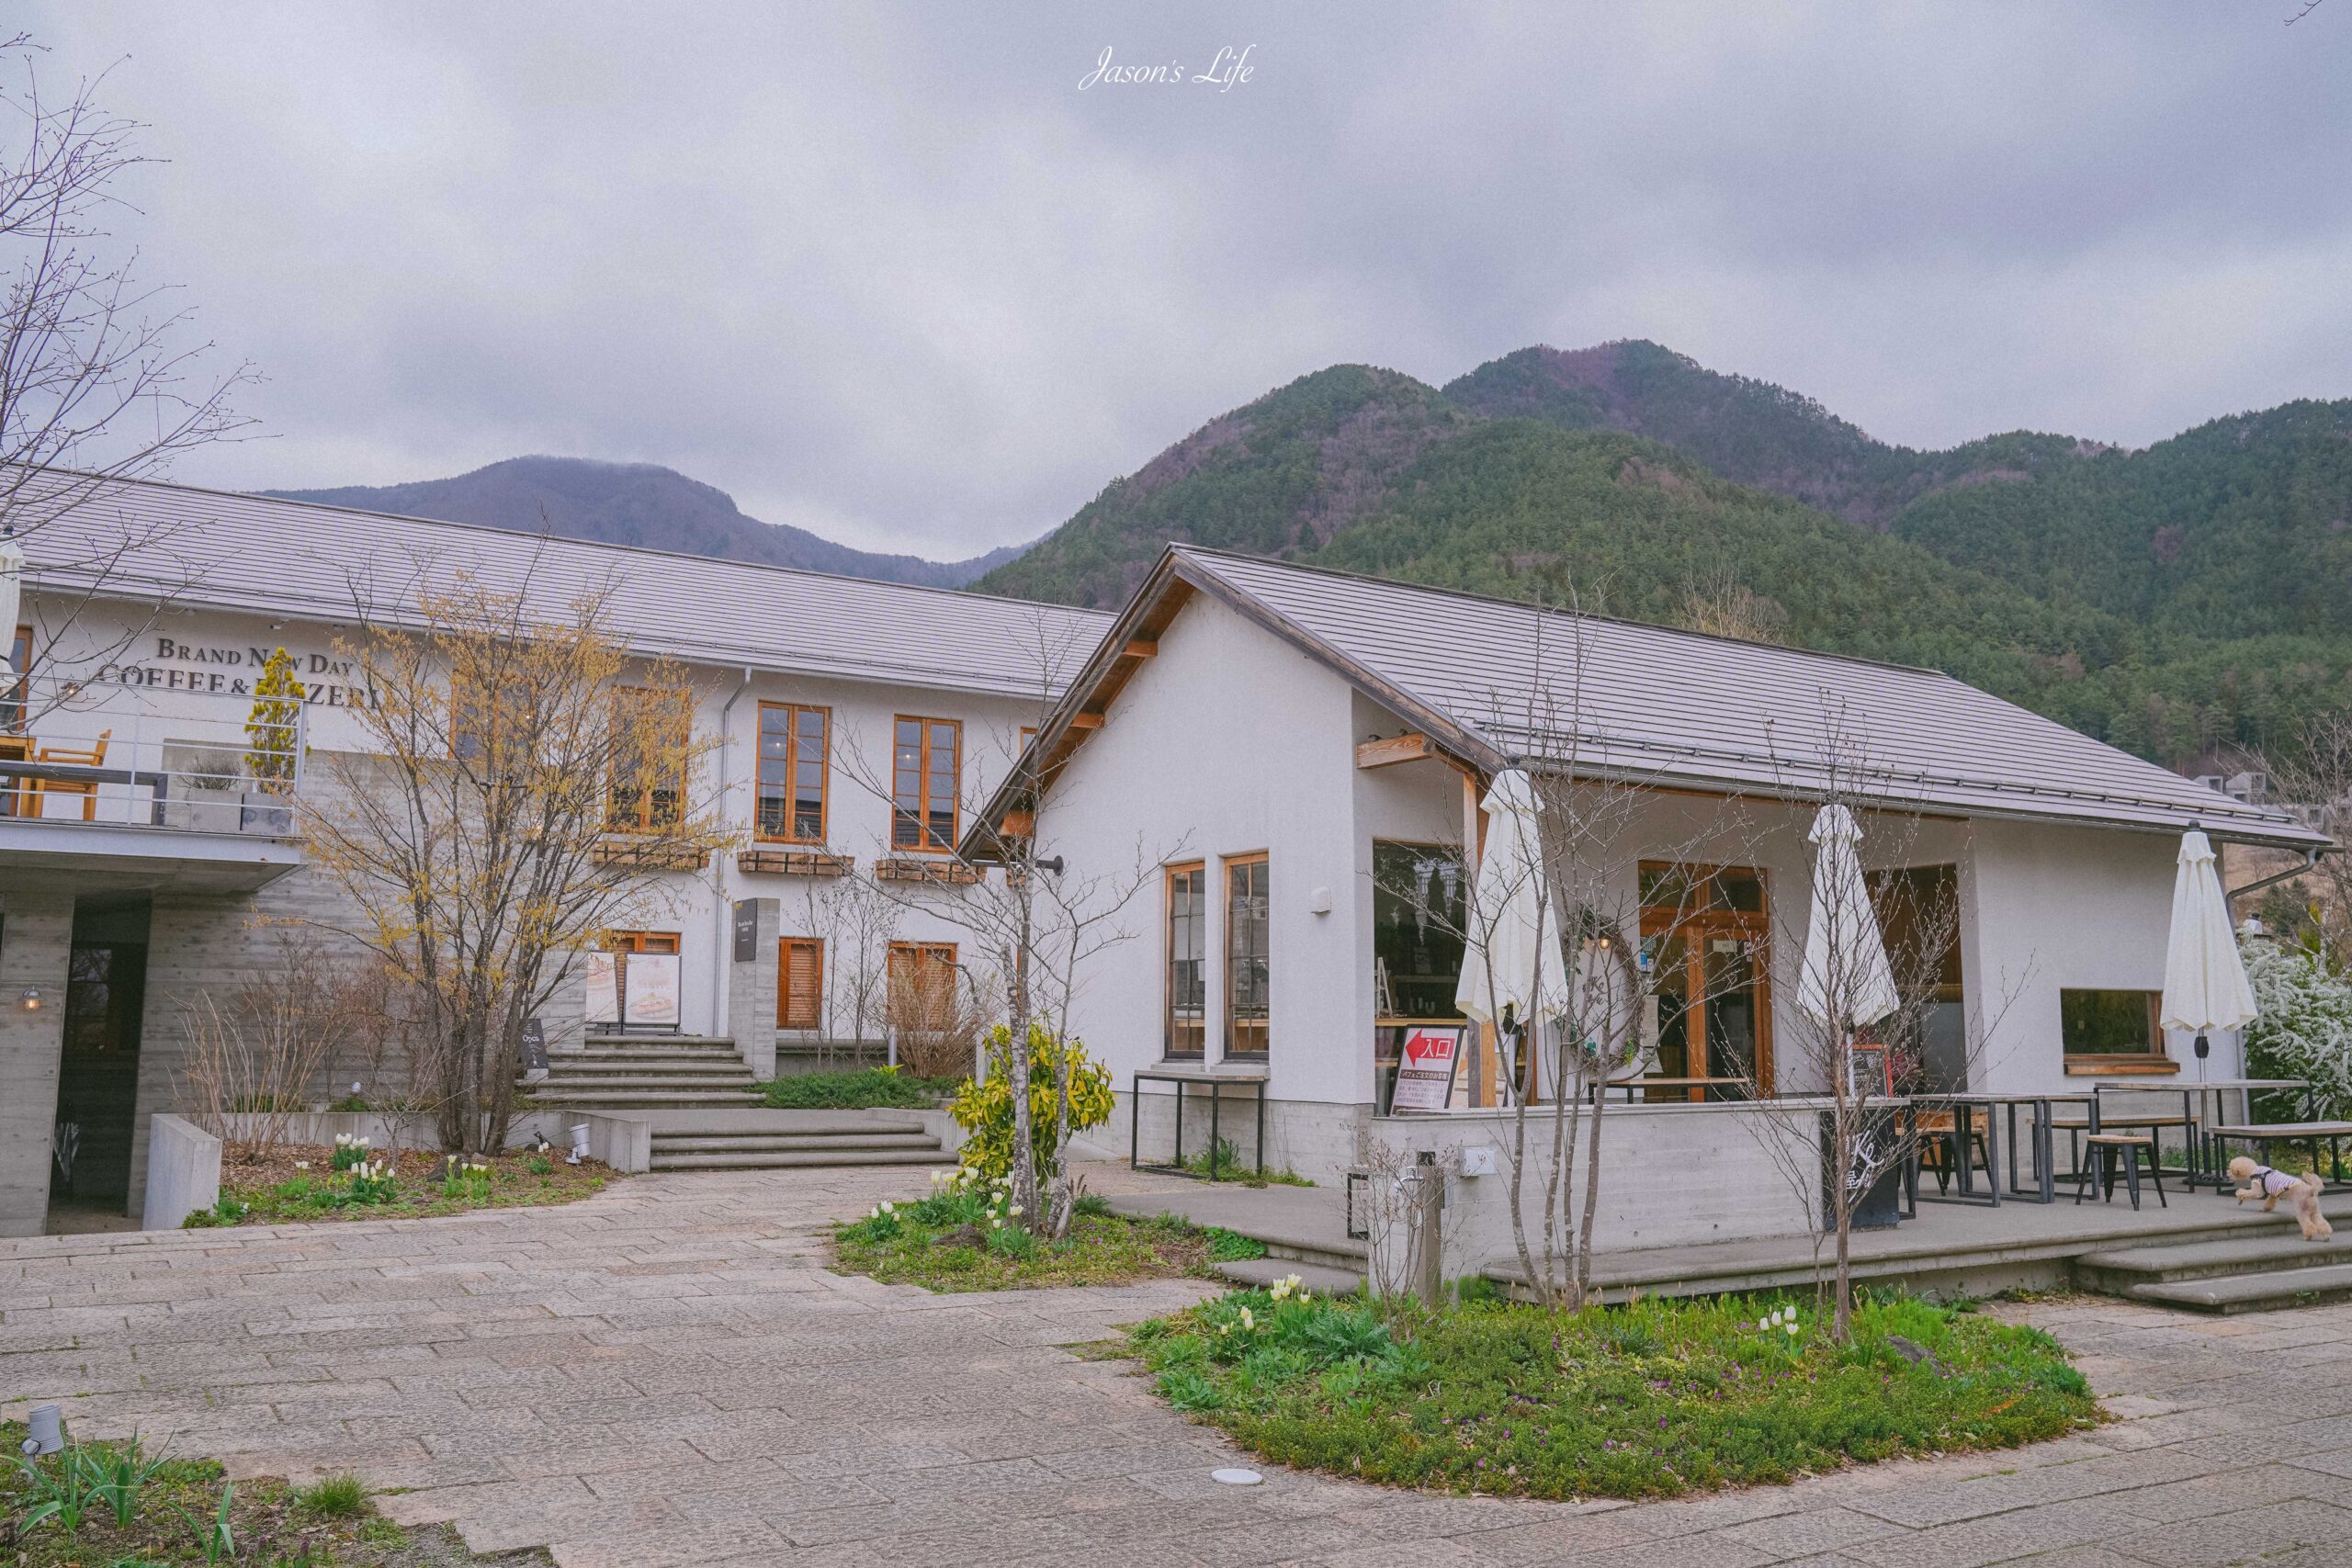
186 677
1227 743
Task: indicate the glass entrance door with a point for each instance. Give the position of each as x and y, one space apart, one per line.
1708 1028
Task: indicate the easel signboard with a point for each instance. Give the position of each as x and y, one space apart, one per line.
1426 1071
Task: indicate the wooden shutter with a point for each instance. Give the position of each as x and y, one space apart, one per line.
801 982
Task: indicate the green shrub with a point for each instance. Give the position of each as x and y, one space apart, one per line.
225 1211
868 1090
985 1110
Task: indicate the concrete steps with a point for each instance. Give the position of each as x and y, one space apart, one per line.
647 1074
1263 1272
791 1140
2250 1274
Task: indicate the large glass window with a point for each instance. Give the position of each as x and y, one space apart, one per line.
653 734
1188 915
2107 1026
1418 897
793 760
925 771
1706 1026
1247 964
1918 916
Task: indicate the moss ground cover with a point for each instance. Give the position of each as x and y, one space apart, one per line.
132 1505
1649 1400
294 1184
961 1237
868 1088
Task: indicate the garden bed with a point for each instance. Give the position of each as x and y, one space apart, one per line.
1653 1399
168 1507
953 1241
295 1184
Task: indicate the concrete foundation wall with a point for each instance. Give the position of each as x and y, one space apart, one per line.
36 945
183 1173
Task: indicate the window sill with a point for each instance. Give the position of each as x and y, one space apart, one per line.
2121 1068
950 872
794 862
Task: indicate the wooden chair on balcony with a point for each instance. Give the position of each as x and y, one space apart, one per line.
93 756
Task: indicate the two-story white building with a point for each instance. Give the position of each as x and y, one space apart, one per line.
140 864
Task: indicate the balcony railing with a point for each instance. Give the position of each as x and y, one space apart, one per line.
90 751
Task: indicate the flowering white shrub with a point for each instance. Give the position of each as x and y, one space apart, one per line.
2304 1028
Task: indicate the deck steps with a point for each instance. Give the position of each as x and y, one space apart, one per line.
2257 1273
1322 1280
792 1140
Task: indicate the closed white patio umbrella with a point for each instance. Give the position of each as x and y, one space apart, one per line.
1511 920
1845 972
12 581
2205 982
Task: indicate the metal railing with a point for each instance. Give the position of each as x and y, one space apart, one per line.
94 750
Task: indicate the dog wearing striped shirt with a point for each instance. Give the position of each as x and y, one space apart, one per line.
2272 1185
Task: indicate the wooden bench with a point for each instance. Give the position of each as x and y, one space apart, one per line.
2310 1135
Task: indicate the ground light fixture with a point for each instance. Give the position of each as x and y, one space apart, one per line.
578 1144
29 998
1236 1476
47 1425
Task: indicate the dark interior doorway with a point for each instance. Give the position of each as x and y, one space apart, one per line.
97 1082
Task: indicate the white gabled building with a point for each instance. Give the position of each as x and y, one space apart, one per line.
133 874
1316 743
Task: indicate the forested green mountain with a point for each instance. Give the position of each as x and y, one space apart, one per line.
2196 594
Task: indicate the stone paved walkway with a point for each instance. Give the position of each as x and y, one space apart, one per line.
665 1374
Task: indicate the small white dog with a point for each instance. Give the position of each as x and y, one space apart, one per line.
2272 1185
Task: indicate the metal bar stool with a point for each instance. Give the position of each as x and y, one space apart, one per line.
2100 1151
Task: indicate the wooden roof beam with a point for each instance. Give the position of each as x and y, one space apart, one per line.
1408 747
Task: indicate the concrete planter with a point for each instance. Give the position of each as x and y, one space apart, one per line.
265 813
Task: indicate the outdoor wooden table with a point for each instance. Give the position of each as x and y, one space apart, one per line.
2261 1135
2210 1164
1183 1078
2040 1136
1687 1085
82 773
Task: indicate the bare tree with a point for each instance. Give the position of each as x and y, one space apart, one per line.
1595 818
1878 987
260 1049
99 380
858 925
524 786
1037 921
2315 771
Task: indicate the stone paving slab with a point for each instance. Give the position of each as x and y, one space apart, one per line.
666 1374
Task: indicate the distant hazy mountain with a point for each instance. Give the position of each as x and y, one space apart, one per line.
2194 593
636 503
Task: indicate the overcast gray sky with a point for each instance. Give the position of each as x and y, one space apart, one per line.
888 273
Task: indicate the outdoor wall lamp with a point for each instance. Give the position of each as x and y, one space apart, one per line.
29 998
1053 865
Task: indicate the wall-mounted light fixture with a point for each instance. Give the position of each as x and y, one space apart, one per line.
29 998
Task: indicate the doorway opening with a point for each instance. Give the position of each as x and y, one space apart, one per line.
98 1080
1708 1030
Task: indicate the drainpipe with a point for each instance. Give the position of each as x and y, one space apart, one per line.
2311 863
721 926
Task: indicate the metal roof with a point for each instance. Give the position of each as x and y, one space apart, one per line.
143 540
1494 681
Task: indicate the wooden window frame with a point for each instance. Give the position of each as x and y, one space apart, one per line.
642 942
815 1016
642 819
913 951
2154 1062
1169 873
1695 927
791 768
1263 1050
924 844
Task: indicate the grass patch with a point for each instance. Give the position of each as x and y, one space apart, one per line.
870 1088
1649 1400
946 1242
1231 1168
132 1505
295 1185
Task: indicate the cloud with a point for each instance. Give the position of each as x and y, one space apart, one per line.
887 274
